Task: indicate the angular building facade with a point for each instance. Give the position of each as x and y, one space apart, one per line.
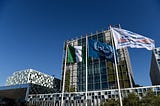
31 76
26 82
101 72
155 67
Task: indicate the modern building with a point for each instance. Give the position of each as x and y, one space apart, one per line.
101 71
19 93
25 82
34 77
95 98
155 67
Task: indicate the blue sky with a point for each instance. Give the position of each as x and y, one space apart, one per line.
32 32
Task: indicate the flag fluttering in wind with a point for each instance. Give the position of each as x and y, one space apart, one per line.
124 38
98 49
74 54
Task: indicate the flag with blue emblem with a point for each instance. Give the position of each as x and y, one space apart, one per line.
98 49
124 38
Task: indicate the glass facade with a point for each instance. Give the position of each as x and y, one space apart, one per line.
97 72
101 72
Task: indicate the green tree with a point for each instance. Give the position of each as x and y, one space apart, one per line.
156 100
148 99
111 102
131 100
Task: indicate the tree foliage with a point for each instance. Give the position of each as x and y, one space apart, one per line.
111 102
148 99
131 100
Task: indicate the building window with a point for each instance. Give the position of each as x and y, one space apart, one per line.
97 86
104 85
159 62
104 77
155 51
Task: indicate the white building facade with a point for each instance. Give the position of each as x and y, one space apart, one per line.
31 76
155 67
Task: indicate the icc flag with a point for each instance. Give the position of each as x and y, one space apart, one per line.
124 38
100 50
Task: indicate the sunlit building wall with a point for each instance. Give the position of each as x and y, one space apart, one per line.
155 67
34 77
101 72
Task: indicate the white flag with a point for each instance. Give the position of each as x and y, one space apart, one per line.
124 38
78 52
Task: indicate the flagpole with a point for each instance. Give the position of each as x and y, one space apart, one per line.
64 75
86 68
119 91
